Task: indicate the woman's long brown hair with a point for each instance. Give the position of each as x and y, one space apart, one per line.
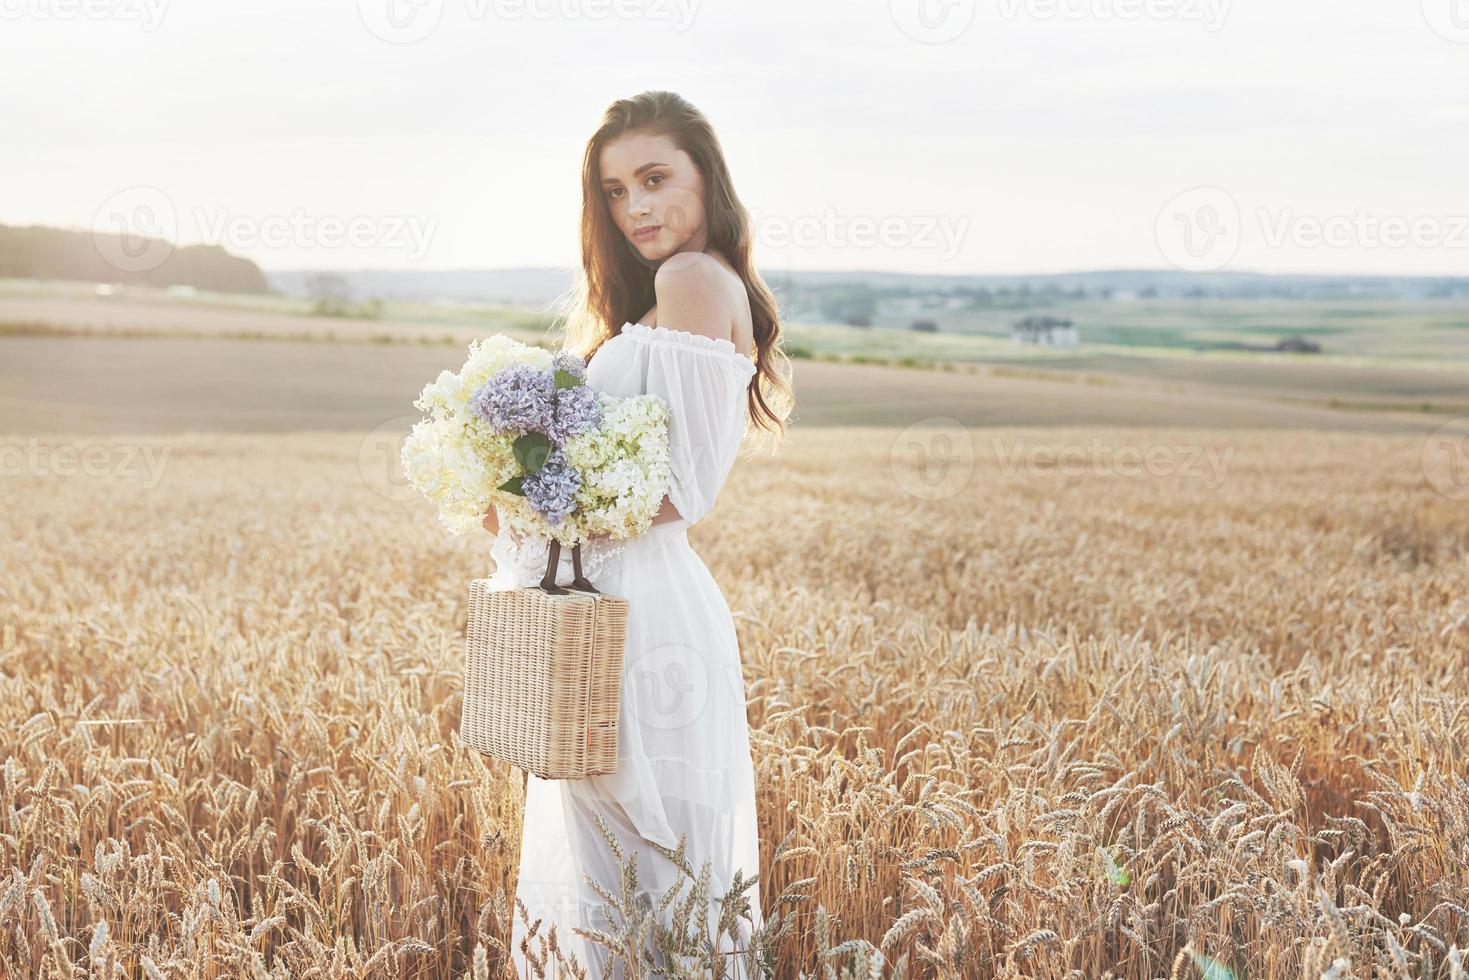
616 286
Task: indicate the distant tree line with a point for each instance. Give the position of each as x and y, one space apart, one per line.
331 295
37 252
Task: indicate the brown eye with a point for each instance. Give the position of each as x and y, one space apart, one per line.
613 191
655 179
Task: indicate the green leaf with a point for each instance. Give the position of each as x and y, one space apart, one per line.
1114 868
531 451
512 485
1211 968
565 379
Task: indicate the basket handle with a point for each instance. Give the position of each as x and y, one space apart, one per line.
553 564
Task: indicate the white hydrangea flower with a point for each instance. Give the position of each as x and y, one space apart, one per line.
459 463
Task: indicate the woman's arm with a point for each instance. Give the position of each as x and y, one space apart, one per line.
667 512
692 295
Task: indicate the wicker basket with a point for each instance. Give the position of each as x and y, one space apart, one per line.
543 674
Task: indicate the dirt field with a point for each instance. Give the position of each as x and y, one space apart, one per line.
67 362
145 385
73 313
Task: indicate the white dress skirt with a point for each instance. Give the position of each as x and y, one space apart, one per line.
684 765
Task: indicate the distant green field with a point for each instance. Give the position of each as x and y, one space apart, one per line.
1369 328
1378 330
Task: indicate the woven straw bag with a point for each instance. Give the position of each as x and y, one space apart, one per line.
543 674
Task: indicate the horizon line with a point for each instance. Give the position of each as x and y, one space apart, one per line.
857 270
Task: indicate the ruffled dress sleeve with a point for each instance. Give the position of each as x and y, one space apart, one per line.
704 380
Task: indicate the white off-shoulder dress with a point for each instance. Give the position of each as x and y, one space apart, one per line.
684 765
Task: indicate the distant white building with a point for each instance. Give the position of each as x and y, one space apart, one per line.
1047 331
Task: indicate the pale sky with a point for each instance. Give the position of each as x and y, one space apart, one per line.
1043 136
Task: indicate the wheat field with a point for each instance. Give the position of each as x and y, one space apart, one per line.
1019 717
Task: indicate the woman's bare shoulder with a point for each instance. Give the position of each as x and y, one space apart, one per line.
693 293
689 271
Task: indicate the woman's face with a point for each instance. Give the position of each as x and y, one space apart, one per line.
655 195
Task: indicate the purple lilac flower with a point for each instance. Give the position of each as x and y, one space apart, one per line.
577 410
567 361
552 491
517 399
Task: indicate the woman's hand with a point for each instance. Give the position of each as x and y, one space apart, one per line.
491 523
667 512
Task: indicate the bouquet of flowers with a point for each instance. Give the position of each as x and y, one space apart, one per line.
519 428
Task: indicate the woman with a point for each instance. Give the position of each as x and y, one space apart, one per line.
670 304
